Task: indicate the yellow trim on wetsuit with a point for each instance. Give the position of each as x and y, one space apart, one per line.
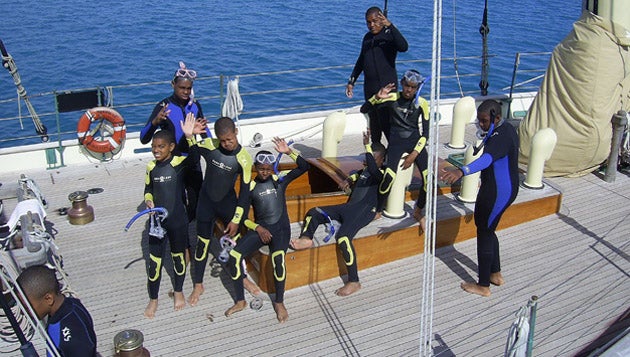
347 247
294 155
368 148
389 174
307 221
158 268
206 244
246 162
182 261
238 214
391 97
237 265
273 262
251 224
421 143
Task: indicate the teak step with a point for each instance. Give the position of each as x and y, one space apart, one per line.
386 240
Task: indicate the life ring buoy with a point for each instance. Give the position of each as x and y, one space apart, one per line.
115 126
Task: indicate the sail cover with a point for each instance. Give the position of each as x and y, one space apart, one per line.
587 82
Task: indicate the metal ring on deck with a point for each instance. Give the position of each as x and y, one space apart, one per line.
256 304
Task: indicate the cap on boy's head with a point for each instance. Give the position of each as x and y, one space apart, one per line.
490 106
379 148
184 73
412 77
37 281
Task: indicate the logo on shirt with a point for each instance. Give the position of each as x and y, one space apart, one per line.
66 334
162 179
267 192
221 165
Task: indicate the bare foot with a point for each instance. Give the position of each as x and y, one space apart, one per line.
193 299
348 288
301 243
238 306
475 288
378 215
179 302
251 286
417 214
496 279
149 312
281 311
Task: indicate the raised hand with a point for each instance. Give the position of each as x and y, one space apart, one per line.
281 145
188 125
384 92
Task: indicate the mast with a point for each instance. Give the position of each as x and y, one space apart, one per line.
484 29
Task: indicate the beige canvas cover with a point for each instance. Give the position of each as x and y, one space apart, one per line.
587 81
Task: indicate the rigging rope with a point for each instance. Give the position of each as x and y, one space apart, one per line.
484 30
428 280
233 104
459 83
9 64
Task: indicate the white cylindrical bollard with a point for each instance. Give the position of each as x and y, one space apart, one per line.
394 208
470 183
334 126
463 112
542 146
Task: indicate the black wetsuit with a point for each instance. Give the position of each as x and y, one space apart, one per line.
377 61
405 115
353 215
217 198
71 329
178 112
164 185
499 186
270 211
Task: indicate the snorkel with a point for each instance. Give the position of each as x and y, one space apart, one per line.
155 229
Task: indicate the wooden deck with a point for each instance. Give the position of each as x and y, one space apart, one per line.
576 261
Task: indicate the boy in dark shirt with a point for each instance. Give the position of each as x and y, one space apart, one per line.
70 325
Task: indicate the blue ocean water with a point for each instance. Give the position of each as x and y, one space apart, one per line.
78 44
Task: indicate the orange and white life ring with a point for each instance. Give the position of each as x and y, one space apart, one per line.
114 130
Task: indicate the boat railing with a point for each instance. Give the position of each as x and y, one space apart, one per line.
263 94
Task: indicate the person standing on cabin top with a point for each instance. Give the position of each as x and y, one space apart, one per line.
377 61
408 116
356 213
164 187
499 186
271 225
69 324
226 160
167 115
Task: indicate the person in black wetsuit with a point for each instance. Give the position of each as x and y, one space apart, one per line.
356 213
69 324
408 116
270 226
164 187
499 186
167 115
225 160
377 61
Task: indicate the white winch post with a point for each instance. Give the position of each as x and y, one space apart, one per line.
470 183
543 143
333 128
395 206
463 112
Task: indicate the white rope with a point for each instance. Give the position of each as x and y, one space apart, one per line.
459 83
233 104
428 281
